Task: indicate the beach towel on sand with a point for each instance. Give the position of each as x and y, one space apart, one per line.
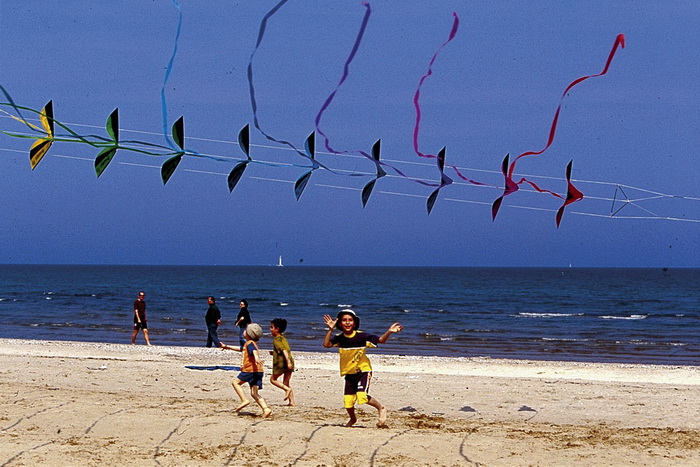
213 367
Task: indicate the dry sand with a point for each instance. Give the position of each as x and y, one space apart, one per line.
105 404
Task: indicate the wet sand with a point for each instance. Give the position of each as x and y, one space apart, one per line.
70 403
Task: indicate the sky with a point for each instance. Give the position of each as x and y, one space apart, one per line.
494 89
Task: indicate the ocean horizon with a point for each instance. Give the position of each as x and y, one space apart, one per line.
625 315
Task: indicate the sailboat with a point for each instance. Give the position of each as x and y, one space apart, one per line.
279 262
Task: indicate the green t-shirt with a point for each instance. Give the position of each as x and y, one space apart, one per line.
279 363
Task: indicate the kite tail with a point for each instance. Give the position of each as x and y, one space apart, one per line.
168 70
416 97
346 72
619 42
251 90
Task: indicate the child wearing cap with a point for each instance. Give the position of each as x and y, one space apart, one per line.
251 369
354 364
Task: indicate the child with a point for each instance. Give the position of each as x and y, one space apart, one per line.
251 369
354 364
282 361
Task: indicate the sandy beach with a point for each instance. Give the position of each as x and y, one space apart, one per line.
69 403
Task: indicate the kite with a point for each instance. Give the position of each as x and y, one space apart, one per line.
510 185
444 180
175 150
376 147
309 150
572 194
416 101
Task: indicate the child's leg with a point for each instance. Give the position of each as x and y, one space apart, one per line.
237 383
380 408
260 401
290 393
283 386
274 381
350 397
353 418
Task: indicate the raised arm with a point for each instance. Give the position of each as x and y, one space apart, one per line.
330 322
396 327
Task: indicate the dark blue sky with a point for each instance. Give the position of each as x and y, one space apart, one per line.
494 90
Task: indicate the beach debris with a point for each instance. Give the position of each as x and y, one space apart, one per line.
408 408
525 408
466 408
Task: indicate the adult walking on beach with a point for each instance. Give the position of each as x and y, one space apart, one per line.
213 320
140 319
242 321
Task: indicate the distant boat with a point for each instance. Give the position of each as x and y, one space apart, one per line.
279 262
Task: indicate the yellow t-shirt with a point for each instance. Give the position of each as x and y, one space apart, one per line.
352 351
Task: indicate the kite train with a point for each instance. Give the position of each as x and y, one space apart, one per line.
52 130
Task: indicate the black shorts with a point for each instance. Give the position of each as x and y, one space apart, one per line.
357 382
141 325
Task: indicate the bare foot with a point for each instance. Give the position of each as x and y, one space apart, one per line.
351 422
382 417
291 404
288 394
242 406
267 412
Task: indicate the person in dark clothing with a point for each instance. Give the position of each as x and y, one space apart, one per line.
140 319
242 321
213 320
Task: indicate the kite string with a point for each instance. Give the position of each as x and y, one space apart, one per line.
657 194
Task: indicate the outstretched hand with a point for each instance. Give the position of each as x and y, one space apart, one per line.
330 322
223 346
396 327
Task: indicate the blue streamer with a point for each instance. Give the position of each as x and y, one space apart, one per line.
168 70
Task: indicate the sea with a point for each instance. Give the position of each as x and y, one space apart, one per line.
647 316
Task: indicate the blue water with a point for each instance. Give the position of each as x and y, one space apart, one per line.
601 315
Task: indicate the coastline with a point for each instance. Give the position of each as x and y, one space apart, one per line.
79 402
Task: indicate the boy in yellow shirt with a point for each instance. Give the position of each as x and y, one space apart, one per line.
354 364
